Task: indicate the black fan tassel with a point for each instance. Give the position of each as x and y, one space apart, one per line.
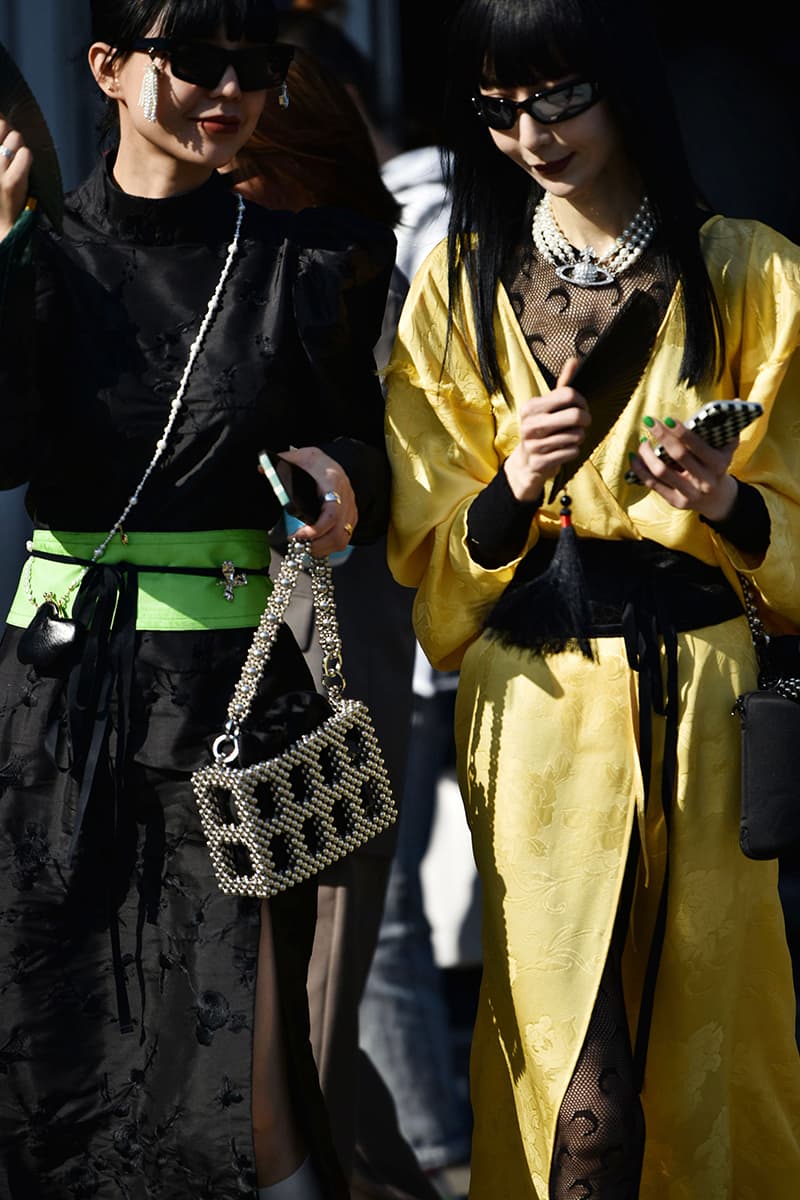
549 613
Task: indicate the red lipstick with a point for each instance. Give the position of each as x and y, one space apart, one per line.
217 123
551 169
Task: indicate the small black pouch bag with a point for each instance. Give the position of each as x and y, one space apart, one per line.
51 644
770 725
770 820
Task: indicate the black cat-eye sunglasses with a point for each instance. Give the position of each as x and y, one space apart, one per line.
204 63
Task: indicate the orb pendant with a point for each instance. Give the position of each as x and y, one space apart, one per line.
584 273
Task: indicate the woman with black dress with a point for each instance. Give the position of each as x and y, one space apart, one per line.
155 1034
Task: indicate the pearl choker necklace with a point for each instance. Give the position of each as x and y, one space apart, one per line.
586 269
175 407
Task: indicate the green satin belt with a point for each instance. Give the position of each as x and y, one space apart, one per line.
203 579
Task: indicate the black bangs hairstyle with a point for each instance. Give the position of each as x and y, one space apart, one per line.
120 22
522 43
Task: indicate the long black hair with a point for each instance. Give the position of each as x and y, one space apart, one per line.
520 42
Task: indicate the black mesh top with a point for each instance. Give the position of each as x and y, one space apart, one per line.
560 319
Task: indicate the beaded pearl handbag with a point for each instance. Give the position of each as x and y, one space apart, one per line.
275 823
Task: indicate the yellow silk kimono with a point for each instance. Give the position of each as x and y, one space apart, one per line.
548 755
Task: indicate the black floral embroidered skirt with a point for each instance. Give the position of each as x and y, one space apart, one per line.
133 934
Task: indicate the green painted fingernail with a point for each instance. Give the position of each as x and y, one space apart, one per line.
631 456
668 421
643 438
649 422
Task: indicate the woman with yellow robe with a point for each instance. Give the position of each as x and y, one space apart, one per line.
635 1032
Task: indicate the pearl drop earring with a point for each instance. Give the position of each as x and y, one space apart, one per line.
148 96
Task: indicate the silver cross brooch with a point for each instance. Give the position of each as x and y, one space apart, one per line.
231 579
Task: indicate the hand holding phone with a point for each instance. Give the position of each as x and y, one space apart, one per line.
298 495
717 423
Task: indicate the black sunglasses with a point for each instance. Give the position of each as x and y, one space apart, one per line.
204 64
549 106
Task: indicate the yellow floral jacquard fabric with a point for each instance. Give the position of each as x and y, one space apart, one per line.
549 763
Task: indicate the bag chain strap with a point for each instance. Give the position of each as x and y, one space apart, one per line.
782 684
297 558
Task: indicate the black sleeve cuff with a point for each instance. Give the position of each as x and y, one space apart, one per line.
367 468
748 525
498 524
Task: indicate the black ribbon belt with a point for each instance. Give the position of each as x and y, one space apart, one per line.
646 594
104 611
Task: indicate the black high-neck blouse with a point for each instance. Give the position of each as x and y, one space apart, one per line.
87 384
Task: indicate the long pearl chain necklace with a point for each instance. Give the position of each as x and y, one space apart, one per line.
161 444
586 269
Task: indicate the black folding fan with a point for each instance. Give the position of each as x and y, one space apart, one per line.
608 376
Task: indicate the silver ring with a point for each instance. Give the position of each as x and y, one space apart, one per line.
332 498
7 153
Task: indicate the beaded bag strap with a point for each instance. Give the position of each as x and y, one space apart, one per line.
296 559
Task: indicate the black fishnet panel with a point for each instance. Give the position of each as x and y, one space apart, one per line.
600 1133
560 320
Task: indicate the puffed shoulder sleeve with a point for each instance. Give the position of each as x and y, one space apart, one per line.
25 325
344 268
757 274
444 445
